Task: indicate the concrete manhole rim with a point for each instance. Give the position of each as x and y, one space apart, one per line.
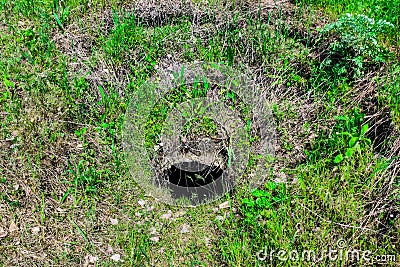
156 88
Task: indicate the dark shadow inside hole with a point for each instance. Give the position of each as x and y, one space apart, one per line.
379 133
182 177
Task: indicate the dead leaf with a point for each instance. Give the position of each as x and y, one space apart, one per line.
13 227
3 233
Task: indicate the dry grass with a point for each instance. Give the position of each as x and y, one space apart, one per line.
40 145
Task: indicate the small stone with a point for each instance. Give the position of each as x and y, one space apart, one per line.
36 229
60 210
3 233
150 208
185 229
207 241
180 213
281 178
155 238
13 145
142 202
166 216
91 259
110 249
116 257
224 205
153 231
113 221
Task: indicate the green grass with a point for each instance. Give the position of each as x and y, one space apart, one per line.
69 70
380 9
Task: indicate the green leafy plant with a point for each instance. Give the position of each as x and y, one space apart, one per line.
346 138
60 14
262 201
355 144
356 44
81 132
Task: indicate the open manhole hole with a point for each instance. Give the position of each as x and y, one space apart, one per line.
188 133
177 174
201 154
201 145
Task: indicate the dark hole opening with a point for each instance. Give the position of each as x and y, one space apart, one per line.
380 133
182 177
